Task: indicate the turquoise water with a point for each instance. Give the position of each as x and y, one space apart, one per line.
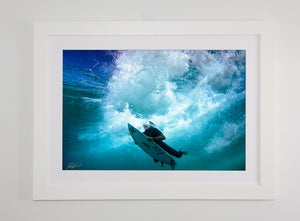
196 98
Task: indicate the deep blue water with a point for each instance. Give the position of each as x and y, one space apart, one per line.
196 98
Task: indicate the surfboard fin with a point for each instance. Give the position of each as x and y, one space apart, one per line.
173 164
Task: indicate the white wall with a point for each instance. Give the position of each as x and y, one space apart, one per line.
16 109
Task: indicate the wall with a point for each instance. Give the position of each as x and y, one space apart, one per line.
16 109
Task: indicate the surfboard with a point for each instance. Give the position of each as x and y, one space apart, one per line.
150 147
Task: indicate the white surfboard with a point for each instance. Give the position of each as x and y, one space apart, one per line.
150 147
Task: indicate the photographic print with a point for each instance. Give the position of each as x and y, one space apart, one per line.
154 110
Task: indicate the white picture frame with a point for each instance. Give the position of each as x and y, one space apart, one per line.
113 189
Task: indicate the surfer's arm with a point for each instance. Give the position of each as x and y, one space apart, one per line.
159 138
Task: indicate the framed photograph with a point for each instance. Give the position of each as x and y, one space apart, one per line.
153 110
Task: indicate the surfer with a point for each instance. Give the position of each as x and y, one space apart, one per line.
157 136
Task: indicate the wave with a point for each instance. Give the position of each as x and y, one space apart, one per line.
180 91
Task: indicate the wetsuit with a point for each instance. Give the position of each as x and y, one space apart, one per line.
154 132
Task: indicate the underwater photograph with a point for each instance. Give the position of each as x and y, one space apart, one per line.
154 110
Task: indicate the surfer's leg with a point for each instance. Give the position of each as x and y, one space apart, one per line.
170 150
